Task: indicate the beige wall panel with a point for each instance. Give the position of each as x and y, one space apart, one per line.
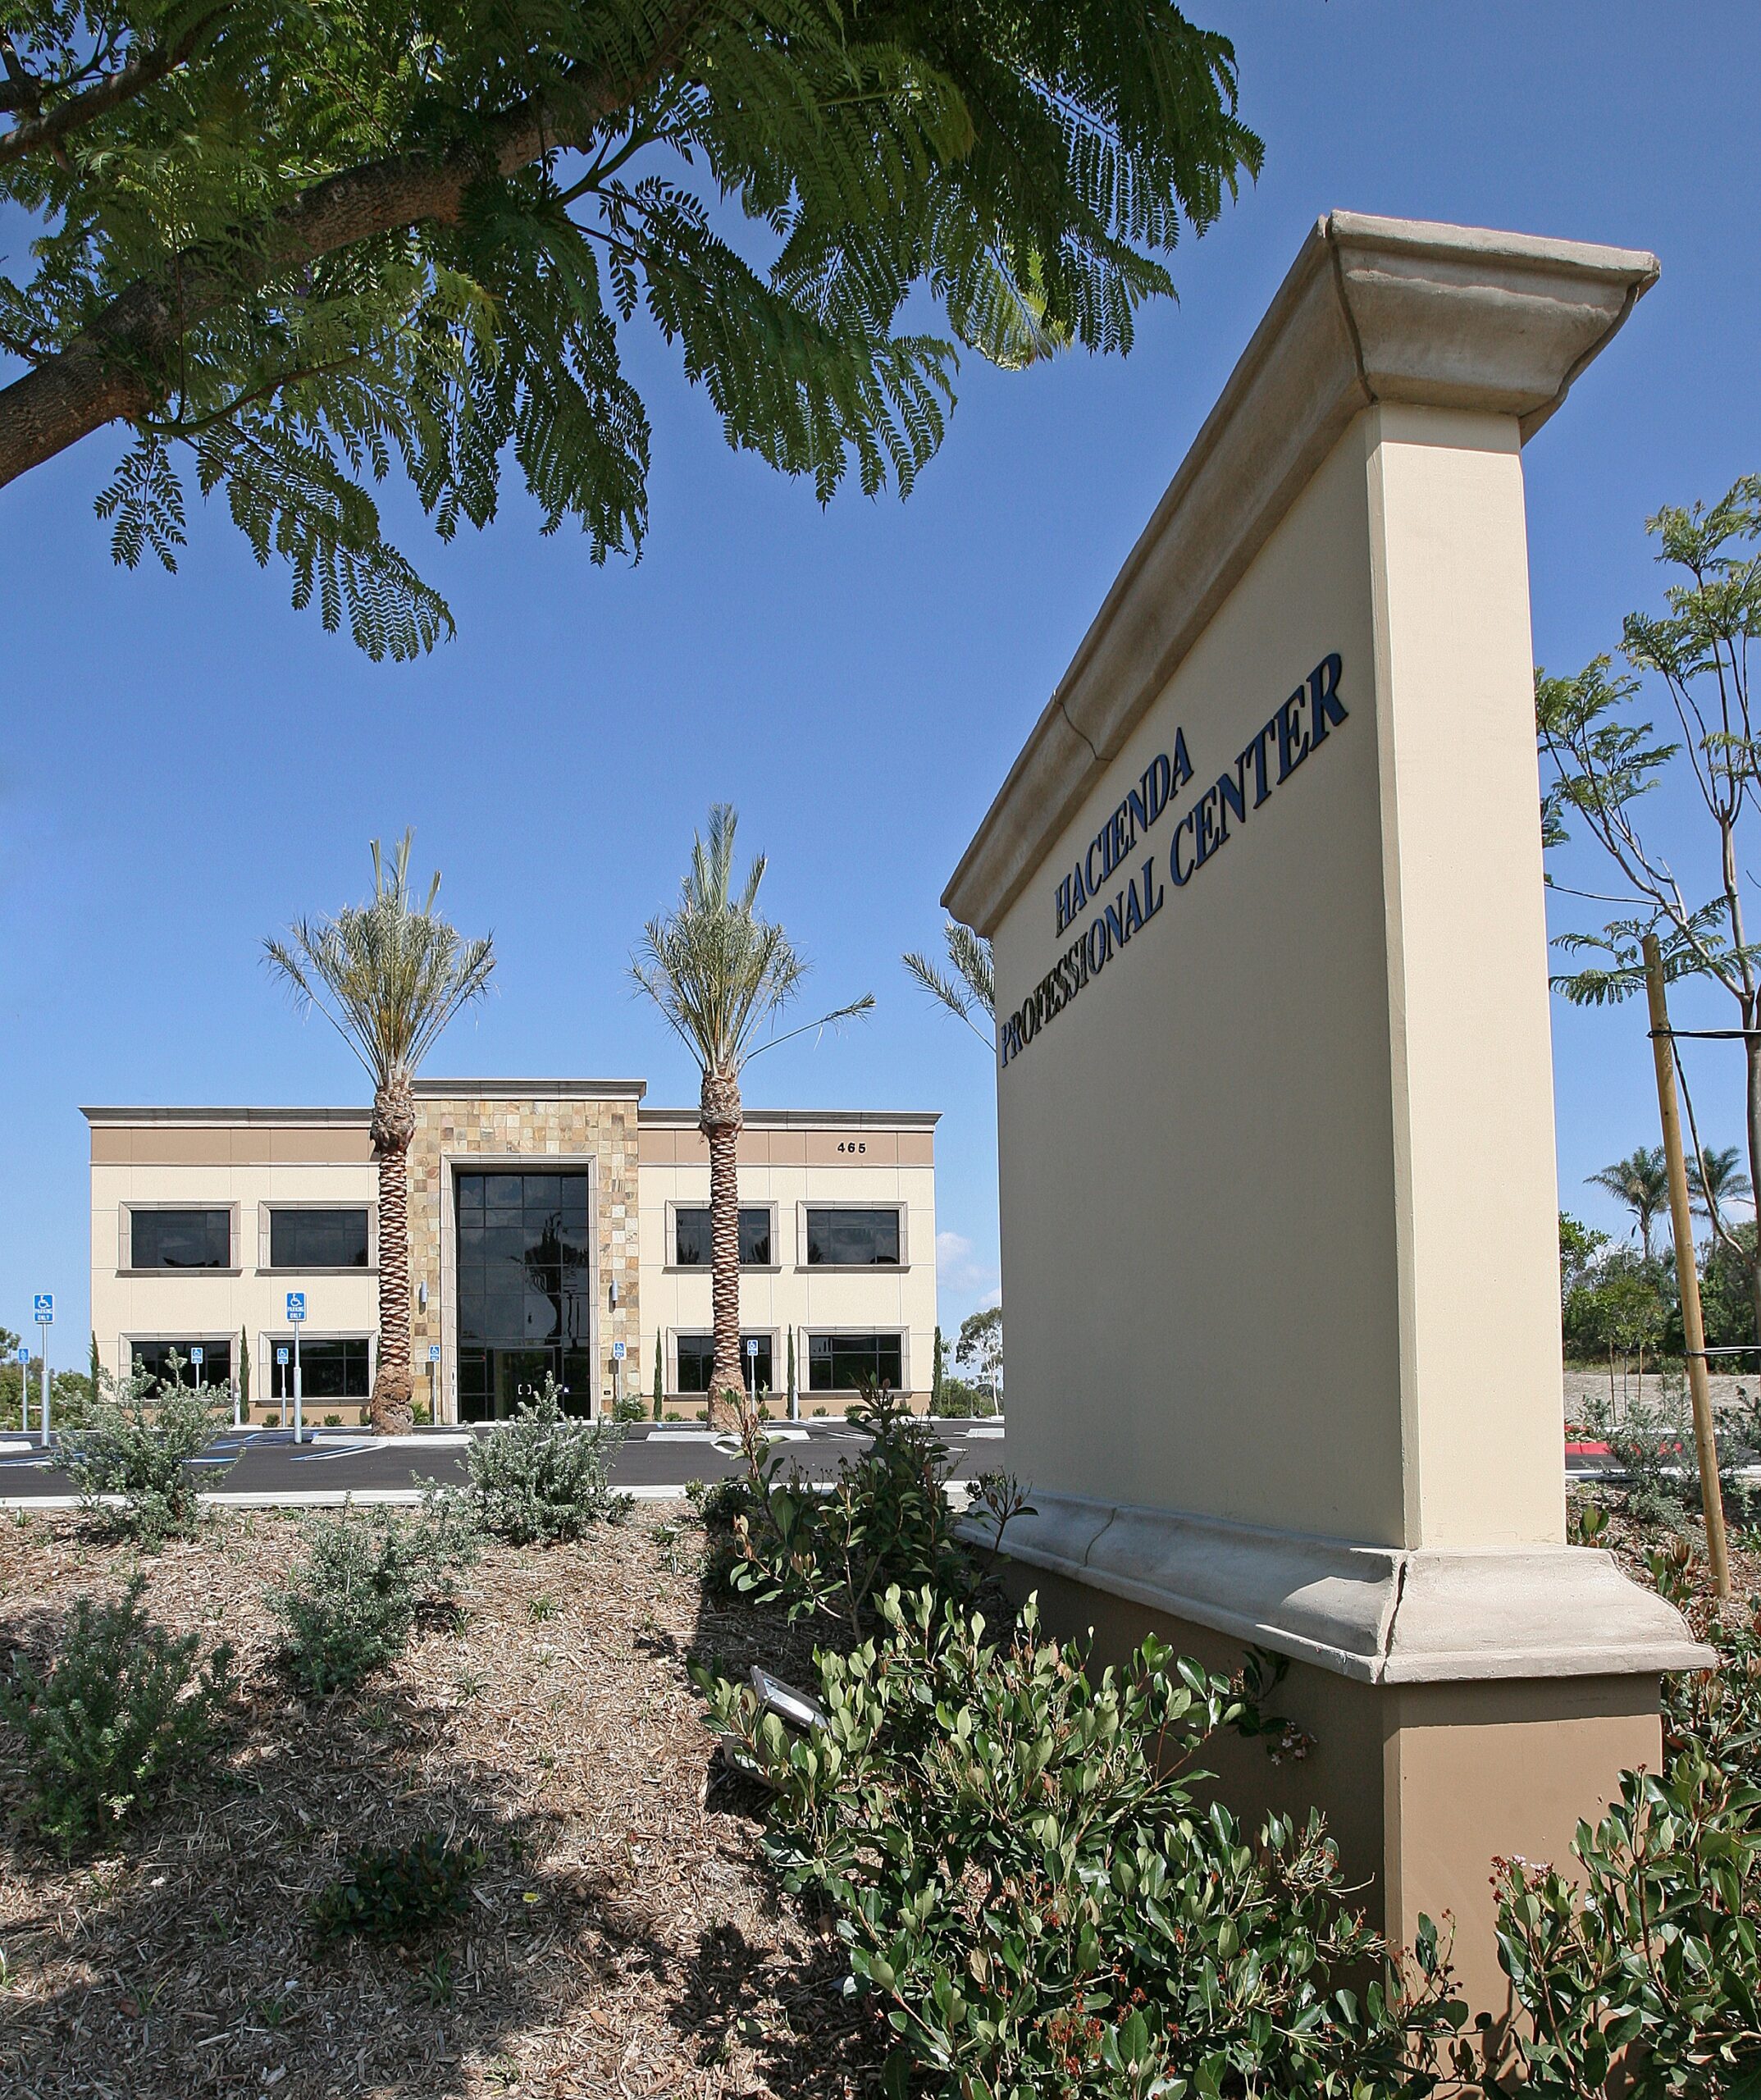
1222 1287
1468 936
1475 1772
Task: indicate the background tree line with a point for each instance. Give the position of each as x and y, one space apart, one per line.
1620 1302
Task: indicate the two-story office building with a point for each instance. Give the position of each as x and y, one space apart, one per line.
558 1227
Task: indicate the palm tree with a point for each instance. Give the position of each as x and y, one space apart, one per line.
1715 1180
719 974
388 975
1641 1182
973 982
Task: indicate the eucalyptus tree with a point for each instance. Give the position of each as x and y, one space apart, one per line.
388 975
721 976
1602 757
287 247
1641 1182
968 985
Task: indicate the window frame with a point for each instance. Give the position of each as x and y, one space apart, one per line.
268 1207
270 1339
674 1391
164 1338
845 1333
900 1209
125 1240
671 1265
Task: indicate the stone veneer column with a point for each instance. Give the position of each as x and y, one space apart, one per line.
453 1128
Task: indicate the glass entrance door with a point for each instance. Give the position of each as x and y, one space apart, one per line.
525 1291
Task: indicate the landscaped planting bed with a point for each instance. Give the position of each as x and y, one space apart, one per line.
622 1935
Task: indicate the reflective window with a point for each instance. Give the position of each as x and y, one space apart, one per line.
328 1371
155 1359
853 1240
697 1353
317 1240
525 1290
180 1240
692 1248
842 1363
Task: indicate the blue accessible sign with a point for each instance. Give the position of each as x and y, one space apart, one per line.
296 1307
43 1305
434 1352
280 1356
198 1355
618 1352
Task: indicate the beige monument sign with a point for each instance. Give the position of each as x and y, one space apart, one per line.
1275 1090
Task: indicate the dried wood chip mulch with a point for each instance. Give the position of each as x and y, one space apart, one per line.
625 1937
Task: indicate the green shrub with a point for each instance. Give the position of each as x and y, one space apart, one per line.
1640 1971
136 1442
716 1503
348 1607
887 1519
959 1399
1023 1878
545 1477
122 1705
399 1891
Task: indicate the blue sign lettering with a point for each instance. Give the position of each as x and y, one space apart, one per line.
1299 726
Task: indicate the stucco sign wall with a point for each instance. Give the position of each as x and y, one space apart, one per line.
1274 1105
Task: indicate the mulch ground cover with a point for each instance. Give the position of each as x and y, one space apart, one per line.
624 1936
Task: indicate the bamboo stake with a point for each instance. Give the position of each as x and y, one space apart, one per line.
1687 1276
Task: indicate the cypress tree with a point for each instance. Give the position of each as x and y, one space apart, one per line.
659 1380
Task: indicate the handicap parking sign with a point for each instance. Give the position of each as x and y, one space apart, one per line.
43 1305
296 1307
280 1356
197 1353
751 1347
434 1352
618 1352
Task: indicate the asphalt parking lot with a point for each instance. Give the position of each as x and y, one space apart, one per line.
264 1468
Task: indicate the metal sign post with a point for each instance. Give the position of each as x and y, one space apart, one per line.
434 1382
280 1365
296 1314
43 1305
24 1389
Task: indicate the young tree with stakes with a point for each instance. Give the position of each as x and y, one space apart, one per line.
287 247
388 975
721 975
1602 759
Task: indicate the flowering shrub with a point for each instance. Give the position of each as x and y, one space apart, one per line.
1023 1878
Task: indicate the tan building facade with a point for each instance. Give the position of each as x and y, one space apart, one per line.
557 1229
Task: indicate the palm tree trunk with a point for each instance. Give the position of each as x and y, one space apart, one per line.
392 1127
719 1118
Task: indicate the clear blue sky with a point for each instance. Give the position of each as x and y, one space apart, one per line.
188 763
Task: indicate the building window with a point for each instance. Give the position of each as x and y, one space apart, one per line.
697 1355
853 1240
842 1364
317 1240
692 1248
331 1370
525 1294
154 1358
179 1239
